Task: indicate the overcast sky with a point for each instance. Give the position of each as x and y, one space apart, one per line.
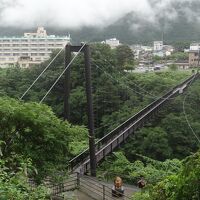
78 13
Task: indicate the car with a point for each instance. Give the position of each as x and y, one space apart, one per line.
156 68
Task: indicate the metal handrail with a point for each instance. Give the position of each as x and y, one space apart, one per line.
90 179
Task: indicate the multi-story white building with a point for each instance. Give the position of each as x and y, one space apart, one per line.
158 45
194 46
32 48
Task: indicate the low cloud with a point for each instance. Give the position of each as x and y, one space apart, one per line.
78 13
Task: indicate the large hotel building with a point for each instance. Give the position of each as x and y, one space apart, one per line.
32 48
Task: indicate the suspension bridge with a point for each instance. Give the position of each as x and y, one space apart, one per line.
87 160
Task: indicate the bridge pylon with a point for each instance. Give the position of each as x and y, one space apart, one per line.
88 86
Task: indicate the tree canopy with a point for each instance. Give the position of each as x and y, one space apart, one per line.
33 130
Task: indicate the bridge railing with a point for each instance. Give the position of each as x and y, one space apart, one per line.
108 136
84 155
56 189
97 190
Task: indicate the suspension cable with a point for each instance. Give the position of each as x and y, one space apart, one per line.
136 83
123 84
62 73
184 111
41 73
185 114
148 93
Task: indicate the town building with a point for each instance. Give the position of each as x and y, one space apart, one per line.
137 51
168 53
158 45
168 48
140 51
194 46
147 48
158 49
113 42
32 48
159 53
194 54
194 58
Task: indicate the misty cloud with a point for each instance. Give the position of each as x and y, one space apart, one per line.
78 13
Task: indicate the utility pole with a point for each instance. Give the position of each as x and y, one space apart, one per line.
198 56
163 37
88 87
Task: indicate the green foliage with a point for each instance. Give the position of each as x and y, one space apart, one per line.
14 184
152 170
124 56
179 56
184 185
130 66
181 45
157 58
32 130
155 143
141 195
173 67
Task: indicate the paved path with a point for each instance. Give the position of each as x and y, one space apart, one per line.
129 190
77 195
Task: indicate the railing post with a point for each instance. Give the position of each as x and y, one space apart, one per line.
98 145
104 195
78 180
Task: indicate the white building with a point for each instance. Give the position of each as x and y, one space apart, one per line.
169 48
194 46
137 50
147 48
158 45
168 53
32 48
159 54
113 42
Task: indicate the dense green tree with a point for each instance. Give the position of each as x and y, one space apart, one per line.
183 185
32 130
181 45
179 56
124 56
152 142
157 58
14 184
173 67
152 170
